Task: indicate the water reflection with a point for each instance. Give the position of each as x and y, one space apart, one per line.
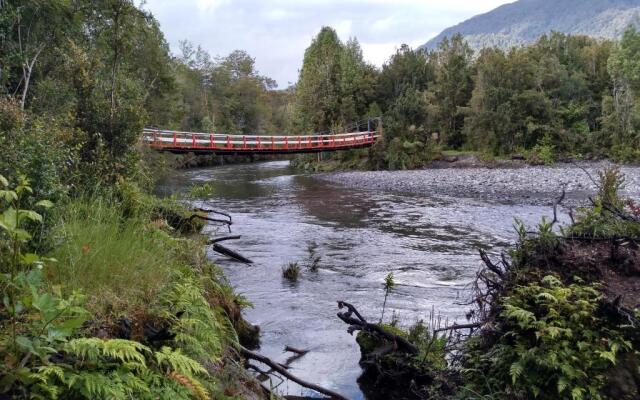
430 244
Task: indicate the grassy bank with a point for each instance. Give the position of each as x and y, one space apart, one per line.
122 305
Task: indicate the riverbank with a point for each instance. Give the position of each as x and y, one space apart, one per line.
537 185
123 303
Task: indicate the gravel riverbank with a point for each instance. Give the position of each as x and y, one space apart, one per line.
525 185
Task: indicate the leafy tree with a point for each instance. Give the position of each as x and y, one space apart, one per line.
318 92
453 87
623 106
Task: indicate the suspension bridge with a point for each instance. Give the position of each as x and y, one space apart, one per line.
222 144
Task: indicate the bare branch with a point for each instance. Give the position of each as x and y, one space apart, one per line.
248 354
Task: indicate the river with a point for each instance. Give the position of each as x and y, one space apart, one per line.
429 242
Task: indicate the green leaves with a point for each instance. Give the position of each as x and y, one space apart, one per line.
389 283
553 341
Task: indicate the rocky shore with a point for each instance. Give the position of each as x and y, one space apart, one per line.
539 185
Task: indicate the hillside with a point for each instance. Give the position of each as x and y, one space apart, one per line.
524 21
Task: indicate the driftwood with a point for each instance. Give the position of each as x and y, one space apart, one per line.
230 253
458 327
228 222
358 323
222 239
297 354
250 355
211 211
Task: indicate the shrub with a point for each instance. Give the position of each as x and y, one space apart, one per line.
291 272
543 152
40 148
556 347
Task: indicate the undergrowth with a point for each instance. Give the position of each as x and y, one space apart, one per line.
121 308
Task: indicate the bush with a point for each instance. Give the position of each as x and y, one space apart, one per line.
291 272
557 345
543 152
40 148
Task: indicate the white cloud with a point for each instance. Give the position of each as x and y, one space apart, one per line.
209 5
276 32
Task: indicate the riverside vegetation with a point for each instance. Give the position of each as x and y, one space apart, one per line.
563 96
107 292
556 318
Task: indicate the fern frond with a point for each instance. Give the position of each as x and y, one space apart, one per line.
91 349
124 350
175 361
192 384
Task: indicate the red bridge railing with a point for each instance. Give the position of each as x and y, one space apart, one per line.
178 141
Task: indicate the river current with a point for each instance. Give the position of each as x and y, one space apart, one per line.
429 243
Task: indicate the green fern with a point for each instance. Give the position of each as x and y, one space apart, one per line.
173 361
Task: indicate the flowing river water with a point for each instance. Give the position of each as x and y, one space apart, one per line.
429 243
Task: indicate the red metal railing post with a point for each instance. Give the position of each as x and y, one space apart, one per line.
244 142
175 140
259 144
193 140
299 139
286 142
212 143
228 142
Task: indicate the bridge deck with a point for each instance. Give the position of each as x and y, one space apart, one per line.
193 142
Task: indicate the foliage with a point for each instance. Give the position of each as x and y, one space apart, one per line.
40 148
543 151
335 87
201 191
120 263
556 345
600 219
389 284
291 272
624 68
41 357
313 259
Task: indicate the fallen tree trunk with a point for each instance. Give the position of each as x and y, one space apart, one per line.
230 253
359 323
248 354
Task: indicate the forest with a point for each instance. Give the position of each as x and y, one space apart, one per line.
80 80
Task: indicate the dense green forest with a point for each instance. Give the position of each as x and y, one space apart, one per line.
562 96
103 295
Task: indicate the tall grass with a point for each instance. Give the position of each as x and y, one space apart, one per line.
117 261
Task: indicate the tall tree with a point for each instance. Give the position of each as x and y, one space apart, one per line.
454 85
624 109
318 91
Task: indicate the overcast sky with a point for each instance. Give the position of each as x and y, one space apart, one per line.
276 32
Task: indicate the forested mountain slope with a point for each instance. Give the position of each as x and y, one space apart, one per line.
524 21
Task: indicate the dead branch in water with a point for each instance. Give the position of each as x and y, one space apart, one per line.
250 355
458 327
222 239
297 354
230 253
211 211
360 324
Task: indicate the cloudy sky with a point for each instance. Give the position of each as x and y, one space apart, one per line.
276 32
